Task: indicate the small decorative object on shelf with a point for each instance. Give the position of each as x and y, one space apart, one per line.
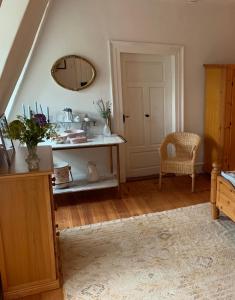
76 119
6 144
106 129
31 132
62 170
93 175
105 112
68 114
86 123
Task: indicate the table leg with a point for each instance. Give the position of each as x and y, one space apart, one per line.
118 170
111 158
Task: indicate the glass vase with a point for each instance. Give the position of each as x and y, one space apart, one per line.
106 129
32 159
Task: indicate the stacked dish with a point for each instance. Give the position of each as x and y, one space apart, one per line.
74 136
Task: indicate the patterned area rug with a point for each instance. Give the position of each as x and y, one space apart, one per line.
177 254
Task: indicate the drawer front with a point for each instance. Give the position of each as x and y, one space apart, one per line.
226 200
27 257
226 190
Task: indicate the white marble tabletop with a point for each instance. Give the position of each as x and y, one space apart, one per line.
97 141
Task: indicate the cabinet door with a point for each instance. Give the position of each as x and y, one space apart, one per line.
227 119
27 255
214 115
231 125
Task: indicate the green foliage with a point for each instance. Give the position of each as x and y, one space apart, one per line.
104 108
30 131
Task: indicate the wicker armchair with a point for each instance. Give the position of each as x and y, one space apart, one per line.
178 154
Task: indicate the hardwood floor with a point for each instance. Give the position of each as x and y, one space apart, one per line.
138 197
52 295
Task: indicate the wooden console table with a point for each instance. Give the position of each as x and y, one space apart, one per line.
81 184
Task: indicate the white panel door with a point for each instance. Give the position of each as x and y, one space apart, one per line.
148 101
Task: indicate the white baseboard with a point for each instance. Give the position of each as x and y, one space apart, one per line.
199 170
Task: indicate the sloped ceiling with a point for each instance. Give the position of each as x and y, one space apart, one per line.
212 2
201 2
20 48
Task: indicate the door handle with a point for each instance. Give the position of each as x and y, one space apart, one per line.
124 118
147 115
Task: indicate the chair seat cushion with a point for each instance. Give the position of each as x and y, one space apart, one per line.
177 165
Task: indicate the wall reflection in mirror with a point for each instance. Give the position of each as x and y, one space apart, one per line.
73 72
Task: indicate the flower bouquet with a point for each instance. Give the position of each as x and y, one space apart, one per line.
31 132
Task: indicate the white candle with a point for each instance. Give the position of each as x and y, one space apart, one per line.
23 108
29 112
48 119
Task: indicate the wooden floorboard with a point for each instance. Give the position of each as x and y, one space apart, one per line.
138 197
51 295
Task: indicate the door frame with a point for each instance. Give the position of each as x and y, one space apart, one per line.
116 48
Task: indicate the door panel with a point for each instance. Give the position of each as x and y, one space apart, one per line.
144 71
147 100
134 117
144 159
157 115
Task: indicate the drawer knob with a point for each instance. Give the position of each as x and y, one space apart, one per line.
53 181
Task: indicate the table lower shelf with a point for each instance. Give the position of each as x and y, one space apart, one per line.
80 185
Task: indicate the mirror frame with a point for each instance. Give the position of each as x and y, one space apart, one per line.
73 56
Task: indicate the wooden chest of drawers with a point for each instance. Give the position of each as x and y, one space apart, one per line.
222 195
225 198
28 254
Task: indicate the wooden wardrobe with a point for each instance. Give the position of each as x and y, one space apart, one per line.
219 126
28 245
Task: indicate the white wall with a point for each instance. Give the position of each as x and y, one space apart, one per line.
84 27
11 14
19 21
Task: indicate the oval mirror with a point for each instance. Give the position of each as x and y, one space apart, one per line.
73 72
